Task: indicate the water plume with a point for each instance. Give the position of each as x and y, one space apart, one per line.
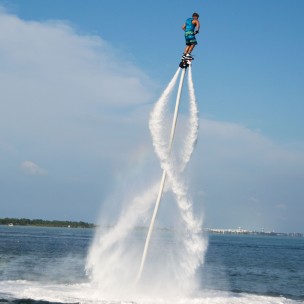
113 262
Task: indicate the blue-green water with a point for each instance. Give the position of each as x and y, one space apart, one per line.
48 264
270 265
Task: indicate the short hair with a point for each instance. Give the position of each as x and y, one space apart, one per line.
195 15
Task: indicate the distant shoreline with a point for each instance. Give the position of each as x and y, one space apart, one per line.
252 232
44 223
81 224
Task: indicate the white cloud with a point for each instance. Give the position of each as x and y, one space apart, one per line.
52 79
253 200
31 168
65 93
73 102
281 206
243 143
52 55
244 174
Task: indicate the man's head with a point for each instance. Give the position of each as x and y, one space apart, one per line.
195 15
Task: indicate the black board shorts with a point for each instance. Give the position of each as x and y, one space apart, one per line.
190 38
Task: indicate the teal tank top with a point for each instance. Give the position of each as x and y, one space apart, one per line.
189 26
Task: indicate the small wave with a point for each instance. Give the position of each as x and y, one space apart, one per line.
26 292
29 301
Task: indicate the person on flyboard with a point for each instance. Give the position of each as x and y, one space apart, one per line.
191 28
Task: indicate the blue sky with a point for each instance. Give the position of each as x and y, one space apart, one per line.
250 55
67 139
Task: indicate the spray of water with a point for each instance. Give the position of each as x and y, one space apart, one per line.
114 256
109 258
163 149
193 243
191 137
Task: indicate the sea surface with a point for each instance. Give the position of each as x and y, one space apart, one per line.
47 265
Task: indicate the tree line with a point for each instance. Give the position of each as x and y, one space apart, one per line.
44 223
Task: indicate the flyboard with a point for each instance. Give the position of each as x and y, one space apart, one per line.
184 64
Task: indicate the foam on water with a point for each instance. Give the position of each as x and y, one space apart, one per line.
86 293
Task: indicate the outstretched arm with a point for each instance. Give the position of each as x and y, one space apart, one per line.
184 26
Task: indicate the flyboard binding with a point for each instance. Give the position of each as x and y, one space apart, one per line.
185 62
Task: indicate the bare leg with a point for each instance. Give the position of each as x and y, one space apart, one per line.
189 49
186 51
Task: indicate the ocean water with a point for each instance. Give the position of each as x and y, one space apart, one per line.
47 265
